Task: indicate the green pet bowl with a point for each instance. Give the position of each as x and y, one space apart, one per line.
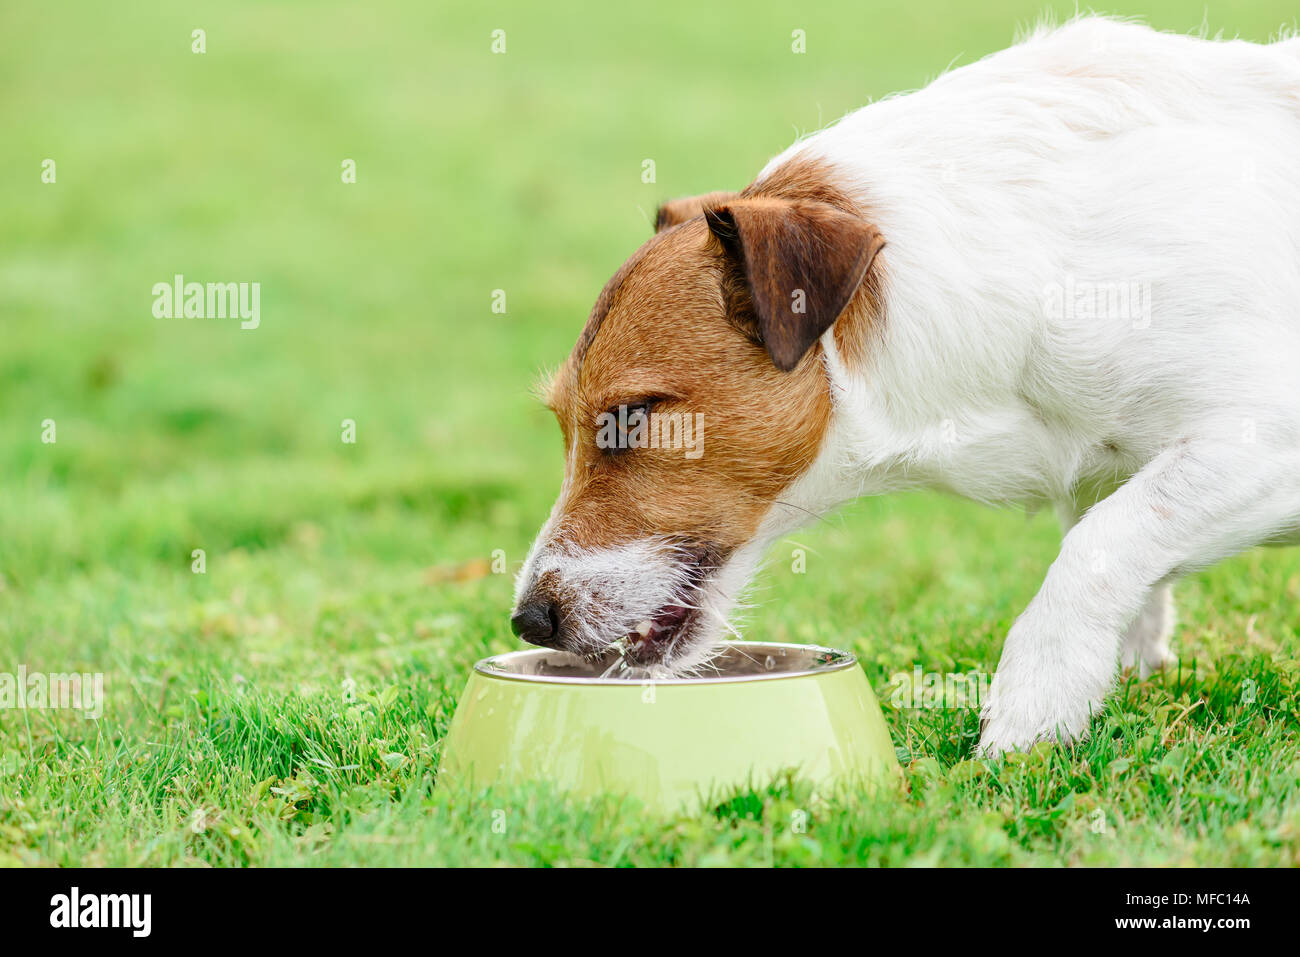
760 710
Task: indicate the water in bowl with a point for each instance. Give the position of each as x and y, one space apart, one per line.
733 661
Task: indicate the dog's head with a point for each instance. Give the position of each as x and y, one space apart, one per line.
694 396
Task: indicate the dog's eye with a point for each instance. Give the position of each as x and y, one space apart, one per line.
624 427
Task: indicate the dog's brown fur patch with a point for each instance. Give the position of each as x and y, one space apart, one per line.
677 211
801 261
663 334
858 328
673 325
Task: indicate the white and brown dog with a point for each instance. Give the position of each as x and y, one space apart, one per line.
1067 274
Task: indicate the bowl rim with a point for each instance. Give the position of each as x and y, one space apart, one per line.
844 660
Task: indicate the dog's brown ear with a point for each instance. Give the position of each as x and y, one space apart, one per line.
802 262
677 211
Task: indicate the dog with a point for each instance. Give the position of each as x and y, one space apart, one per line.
1067 274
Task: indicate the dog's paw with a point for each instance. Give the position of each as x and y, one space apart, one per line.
1015 721
1003 733
1146 643
1148 659
1028 705
1055 671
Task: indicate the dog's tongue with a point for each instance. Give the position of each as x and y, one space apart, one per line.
664 622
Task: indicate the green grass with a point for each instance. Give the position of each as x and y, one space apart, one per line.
228 736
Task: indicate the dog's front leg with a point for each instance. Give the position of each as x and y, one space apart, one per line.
1146 640
1190 506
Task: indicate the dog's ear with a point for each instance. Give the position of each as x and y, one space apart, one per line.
802 262
677 211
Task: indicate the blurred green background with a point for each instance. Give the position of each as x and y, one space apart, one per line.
327 561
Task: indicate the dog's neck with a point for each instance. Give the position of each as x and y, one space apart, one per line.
924 396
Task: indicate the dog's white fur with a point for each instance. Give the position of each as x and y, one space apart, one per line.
1094 160
608 591
1099 153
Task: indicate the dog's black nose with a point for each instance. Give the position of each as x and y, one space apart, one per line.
537 623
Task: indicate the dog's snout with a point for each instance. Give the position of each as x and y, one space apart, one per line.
537 622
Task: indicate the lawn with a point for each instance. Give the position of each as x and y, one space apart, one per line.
285 706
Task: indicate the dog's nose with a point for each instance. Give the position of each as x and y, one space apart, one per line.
537 623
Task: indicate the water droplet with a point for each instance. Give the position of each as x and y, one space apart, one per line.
769 663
